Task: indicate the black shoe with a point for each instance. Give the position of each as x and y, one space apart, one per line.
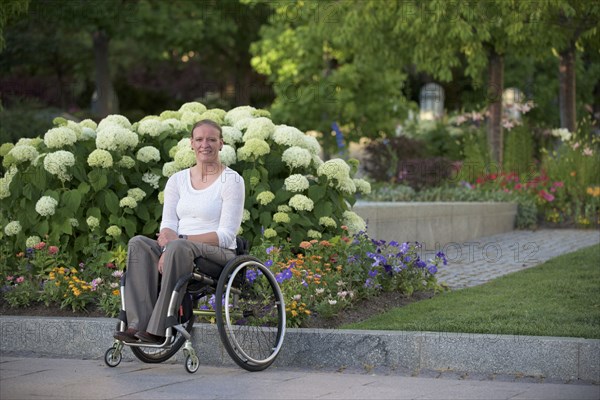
127 336
149 338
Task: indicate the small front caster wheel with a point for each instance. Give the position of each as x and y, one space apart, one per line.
112 357
192 364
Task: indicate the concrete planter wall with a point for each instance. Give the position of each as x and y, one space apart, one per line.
436 222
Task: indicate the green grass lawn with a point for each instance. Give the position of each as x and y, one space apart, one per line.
558 298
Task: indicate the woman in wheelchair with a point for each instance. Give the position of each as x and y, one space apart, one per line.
202 213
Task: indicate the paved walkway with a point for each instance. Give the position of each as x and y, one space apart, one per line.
44 378
479 261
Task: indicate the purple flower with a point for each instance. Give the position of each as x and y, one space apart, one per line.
268 263
270 249
393 243
251 275
432 269
373 273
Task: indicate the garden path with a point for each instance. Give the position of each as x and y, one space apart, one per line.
476 262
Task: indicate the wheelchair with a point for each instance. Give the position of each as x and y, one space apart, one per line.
250 315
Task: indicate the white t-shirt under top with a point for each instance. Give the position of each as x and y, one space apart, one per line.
218 208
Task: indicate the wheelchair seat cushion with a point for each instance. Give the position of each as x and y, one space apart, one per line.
208 267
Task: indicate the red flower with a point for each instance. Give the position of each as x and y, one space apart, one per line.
52 250
39 246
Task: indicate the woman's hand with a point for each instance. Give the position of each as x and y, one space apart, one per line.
161 263
165 236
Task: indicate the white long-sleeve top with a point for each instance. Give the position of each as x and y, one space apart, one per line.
218 208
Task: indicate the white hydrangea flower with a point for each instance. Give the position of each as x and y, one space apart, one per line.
270 233
311 144
169 168
12 228
170 114
228 155
296 157
74 222
245 215
253 149
265 197
327 222
57 138
88 123
92 222
259 128
238 113
242 124
190 118
35 142
6 180
5 148
288 136
161 197
115 137
74 126
100 158
300 202
151 127
128 202
215 114
284 208
114 119
174 124
317 161
185 158
231 135
192 106
87 134
151 179
296 183
23 153
136 193
113 231
281 218
362 186
354 222
346 185
32 241
148 154
46 206
313 234
57 163
335 169
126 162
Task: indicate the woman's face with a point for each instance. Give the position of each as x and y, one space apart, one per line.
206 143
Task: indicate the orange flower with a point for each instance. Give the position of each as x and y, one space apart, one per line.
305 245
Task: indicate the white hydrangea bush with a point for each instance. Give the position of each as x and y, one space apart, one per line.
84 183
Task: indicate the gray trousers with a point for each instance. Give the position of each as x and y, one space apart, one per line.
145 306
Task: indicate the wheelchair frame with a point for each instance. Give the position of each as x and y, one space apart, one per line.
243 312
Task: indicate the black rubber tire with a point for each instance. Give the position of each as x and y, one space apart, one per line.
251 329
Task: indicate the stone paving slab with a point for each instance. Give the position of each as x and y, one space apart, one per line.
479 261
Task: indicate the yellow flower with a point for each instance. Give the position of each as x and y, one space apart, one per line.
294 313
116 292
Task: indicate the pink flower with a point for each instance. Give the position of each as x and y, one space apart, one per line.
39 246
575 145
20 279
558 184
9 278
546 196
588 152
110 265
52 250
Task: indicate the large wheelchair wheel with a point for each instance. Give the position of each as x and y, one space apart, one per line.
155 355
251 315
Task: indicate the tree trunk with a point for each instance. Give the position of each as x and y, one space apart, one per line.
494 93
566 96
105 101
